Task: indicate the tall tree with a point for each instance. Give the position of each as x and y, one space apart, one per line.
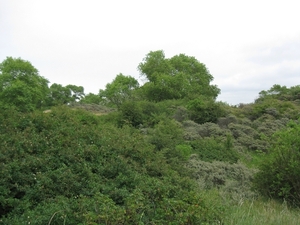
119 90
178 77
21 86
59 95
91 98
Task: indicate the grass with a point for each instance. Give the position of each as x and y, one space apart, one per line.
267 212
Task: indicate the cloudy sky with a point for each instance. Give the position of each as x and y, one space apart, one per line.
247 45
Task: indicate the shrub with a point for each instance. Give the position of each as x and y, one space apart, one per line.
166 134
131 113
210 149
194 130
203 110
184 150
279 175
223 122
234 180
68 167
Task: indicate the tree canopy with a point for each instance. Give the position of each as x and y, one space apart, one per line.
179 77
60 95
21 86
280 92
119 90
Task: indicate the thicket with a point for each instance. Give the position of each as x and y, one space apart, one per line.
67 167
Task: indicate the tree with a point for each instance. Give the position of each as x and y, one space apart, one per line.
21 86
176 78
280 92
154 63
91 98
60 95
119 90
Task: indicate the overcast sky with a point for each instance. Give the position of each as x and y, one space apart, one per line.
247 45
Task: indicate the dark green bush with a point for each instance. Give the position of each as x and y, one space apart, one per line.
166 134
279 175
68 167
203 110
215 149
131 113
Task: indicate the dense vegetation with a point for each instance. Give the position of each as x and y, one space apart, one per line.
165 152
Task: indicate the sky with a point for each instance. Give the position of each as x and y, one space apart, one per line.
248 46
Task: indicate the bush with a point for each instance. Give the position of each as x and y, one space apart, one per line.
194 130
184 150
205 110
131 113
68 167
279 175
166 134
211 149
233 180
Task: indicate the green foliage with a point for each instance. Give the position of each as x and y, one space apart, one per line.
91 99
131 113
143 114
281 93
21 86
68 167
233 180
205 110
211 149
247 136
166 134
184 150
223 122
162 157
279 102
274 107
268 125
119 90
60 95
279 174
176 78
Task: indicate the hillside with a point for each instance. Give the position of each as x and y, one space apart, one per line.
163 153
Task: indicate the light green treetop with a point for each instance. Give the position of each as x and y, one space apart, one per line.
179 77
119 90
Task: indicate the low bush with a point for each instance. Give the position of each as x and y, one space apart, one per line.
232 180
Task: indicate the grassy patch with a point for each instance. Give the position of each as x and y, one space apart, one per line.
260 211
